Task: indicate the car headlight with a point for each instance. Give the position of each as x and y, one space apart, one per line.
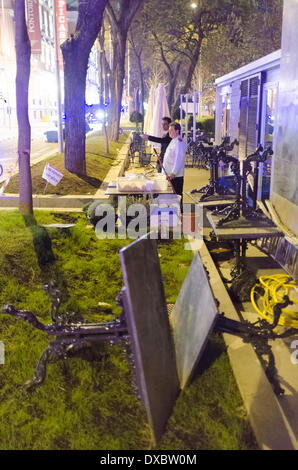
100 114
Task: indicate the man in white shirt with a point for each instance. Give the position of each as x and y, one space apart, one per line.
174 159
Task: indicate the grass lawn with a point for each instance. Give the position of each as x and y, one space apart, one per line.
89 403
98 163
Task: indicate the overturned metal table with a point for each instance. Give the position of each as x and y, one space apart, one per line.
240 231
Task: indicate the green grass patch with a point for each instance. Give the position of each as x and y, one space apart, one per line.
87 401
98 163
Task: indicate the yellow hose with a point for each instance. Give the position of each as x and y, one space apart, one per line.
275 287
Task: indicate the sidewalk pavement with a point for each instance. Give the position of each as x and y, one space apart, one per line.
274 420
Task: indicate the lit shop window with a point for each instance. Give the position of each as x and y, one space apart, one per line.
269 116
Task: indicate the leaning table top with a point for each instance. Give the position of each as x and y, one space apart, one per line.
212 201
243 228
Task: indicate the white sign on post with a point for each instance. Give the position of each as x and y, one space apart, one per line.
52 175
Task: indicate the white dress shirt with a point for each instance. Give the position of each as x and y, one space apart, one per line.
174 159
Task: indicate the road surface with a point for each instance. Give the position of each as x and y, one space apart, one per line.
39 149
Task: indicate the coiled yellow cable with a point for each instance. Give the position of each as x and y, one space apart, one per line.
275 287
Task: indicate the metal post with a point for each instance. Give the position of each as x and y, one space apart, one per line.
104 88
195 94
109 87
200 91
186 117
128 80
260 180
243 167
255 185
59 107
181 114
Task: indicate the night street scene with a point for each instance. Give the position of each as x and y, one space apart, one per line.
149 230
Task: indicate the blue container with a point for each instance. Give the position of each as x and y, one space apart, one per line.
52 136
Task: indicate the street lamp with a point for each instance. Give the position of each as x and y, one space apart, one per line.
193 5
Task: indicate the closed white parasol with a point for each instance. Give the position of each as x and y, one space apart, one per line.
149 113
161 109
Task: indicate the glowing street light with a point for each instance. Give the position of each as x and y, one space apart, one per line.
193 5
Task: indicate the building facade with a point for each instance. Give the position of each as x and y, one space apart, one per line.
257 104
246 103
42 85
7 66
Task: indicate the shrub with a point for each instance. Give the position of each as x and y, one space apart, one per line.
90 209
209 125
206 124
190 123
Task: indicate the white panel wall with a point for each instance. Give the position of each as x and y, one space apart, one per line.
284 187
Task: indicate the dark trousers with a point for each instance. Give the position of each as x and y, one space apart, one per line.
178 186
158 165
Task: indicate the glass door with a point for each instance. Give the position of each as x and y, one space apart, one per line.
226 116
269 103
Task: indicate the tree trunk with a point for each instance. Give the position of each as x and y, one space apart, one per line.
118 75
187 85
75 71
138 56
127 10
23 54
76 52
173 83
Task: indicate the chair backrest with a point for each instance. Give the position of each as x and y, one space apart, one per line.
136 138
